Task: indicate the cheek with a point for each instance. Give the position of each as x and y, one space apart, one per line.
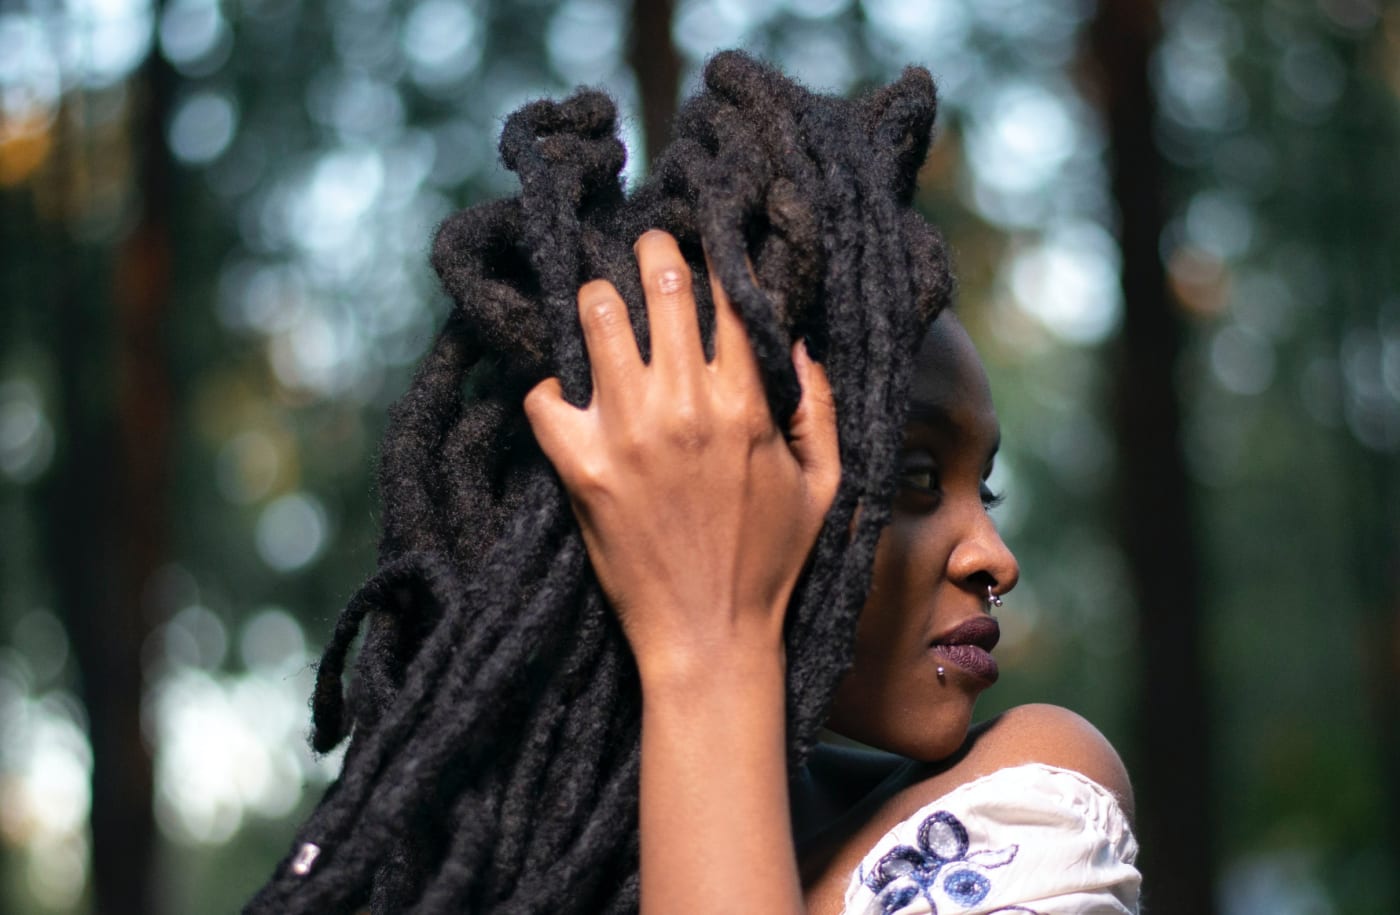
887 615
897 620
886 582
891 699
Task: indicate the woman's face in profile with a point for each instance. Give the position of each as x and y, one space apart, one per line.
928 604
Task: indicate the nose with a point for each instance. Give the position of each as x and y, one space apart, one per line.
981 559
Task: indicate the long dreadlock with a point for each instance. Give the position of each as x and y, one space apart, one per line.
496 708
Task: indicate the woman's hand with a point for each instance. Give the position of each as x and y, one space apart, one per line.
698 513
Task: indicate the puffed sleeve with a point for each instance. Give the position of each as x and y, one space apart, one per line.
1032 839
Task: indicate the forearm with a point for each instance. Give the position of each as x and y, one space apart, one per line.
716 834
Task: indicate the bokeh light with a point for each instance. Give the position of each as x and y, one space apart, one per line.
1242 360
104 40
203 126
292 531
584 39
1069 281
229 746
45 771
441 41
26 435
195 36
30 79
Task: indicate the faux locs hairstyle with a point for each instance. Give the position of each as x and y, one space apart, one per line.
495 713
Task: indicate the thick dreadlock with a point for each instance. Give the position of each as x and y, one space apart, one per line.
496 711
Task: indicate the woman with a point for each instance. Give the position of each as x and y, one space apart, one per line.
630 527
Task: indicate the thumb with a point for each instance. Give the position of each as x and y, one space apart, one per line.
553 420
812 430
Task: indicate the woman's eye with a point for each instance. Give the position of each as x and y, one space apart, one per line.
991 499
920 478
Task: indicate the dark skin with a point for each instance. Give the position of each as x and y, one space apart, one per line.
698 514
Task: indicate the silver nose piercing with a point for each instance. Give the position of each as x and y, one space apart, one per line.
992 597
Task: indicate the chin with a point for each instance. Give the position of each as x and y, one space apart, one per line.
938 743
922 735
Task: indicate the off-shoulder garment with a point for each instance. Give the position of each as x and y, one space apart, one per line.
1030 839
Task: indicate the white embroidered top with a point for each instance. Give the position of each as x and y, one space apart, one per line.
1031 839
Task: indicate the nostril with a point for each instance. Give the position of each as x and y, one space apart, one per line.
984 582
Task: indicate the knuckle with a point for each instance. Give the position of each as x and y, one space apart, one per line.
598 297
688 426
759 421
664 271
747 426
684 416
752 419
588 477
670 279
541 395
602 312
632 443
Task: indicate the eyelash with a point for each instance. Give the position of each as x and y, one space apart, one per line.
990 500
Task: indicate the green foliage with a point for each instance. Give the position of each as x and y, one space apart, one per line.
316 146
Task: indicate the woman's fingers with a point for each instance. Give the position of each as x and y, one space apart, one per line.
812 431
607 332
733 352
671 315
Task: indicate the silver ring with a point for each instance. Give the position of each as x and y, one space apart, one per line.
992 597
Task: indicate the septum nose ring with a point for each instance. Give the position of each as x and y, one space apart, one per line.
993 597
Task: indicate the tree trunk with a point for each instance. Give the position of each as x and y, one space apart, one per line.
1172 751
1352 208
107 503
658 68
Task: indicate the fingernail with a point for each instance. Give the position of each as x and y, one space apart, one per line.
800 357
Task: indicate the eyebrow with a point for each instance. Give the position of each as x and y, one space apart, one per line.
928 412
938 419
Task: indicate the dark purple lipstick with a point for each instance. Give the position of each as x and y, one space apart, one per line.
969 646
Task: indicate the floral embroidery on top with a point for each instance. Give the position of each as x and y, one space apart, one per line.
940 866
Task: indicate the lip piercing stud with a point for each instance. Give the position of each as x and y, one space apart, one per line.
940 673
993 598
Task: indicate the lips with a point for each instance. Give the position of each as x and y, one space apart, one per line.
968 646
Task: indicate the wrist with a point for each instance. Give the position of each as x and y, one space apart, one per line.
713 667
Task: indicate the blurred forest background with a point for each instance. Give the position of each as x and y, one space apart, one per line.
1175 229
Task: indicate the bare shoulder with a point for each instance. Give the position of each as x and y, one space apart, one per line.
1046 734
